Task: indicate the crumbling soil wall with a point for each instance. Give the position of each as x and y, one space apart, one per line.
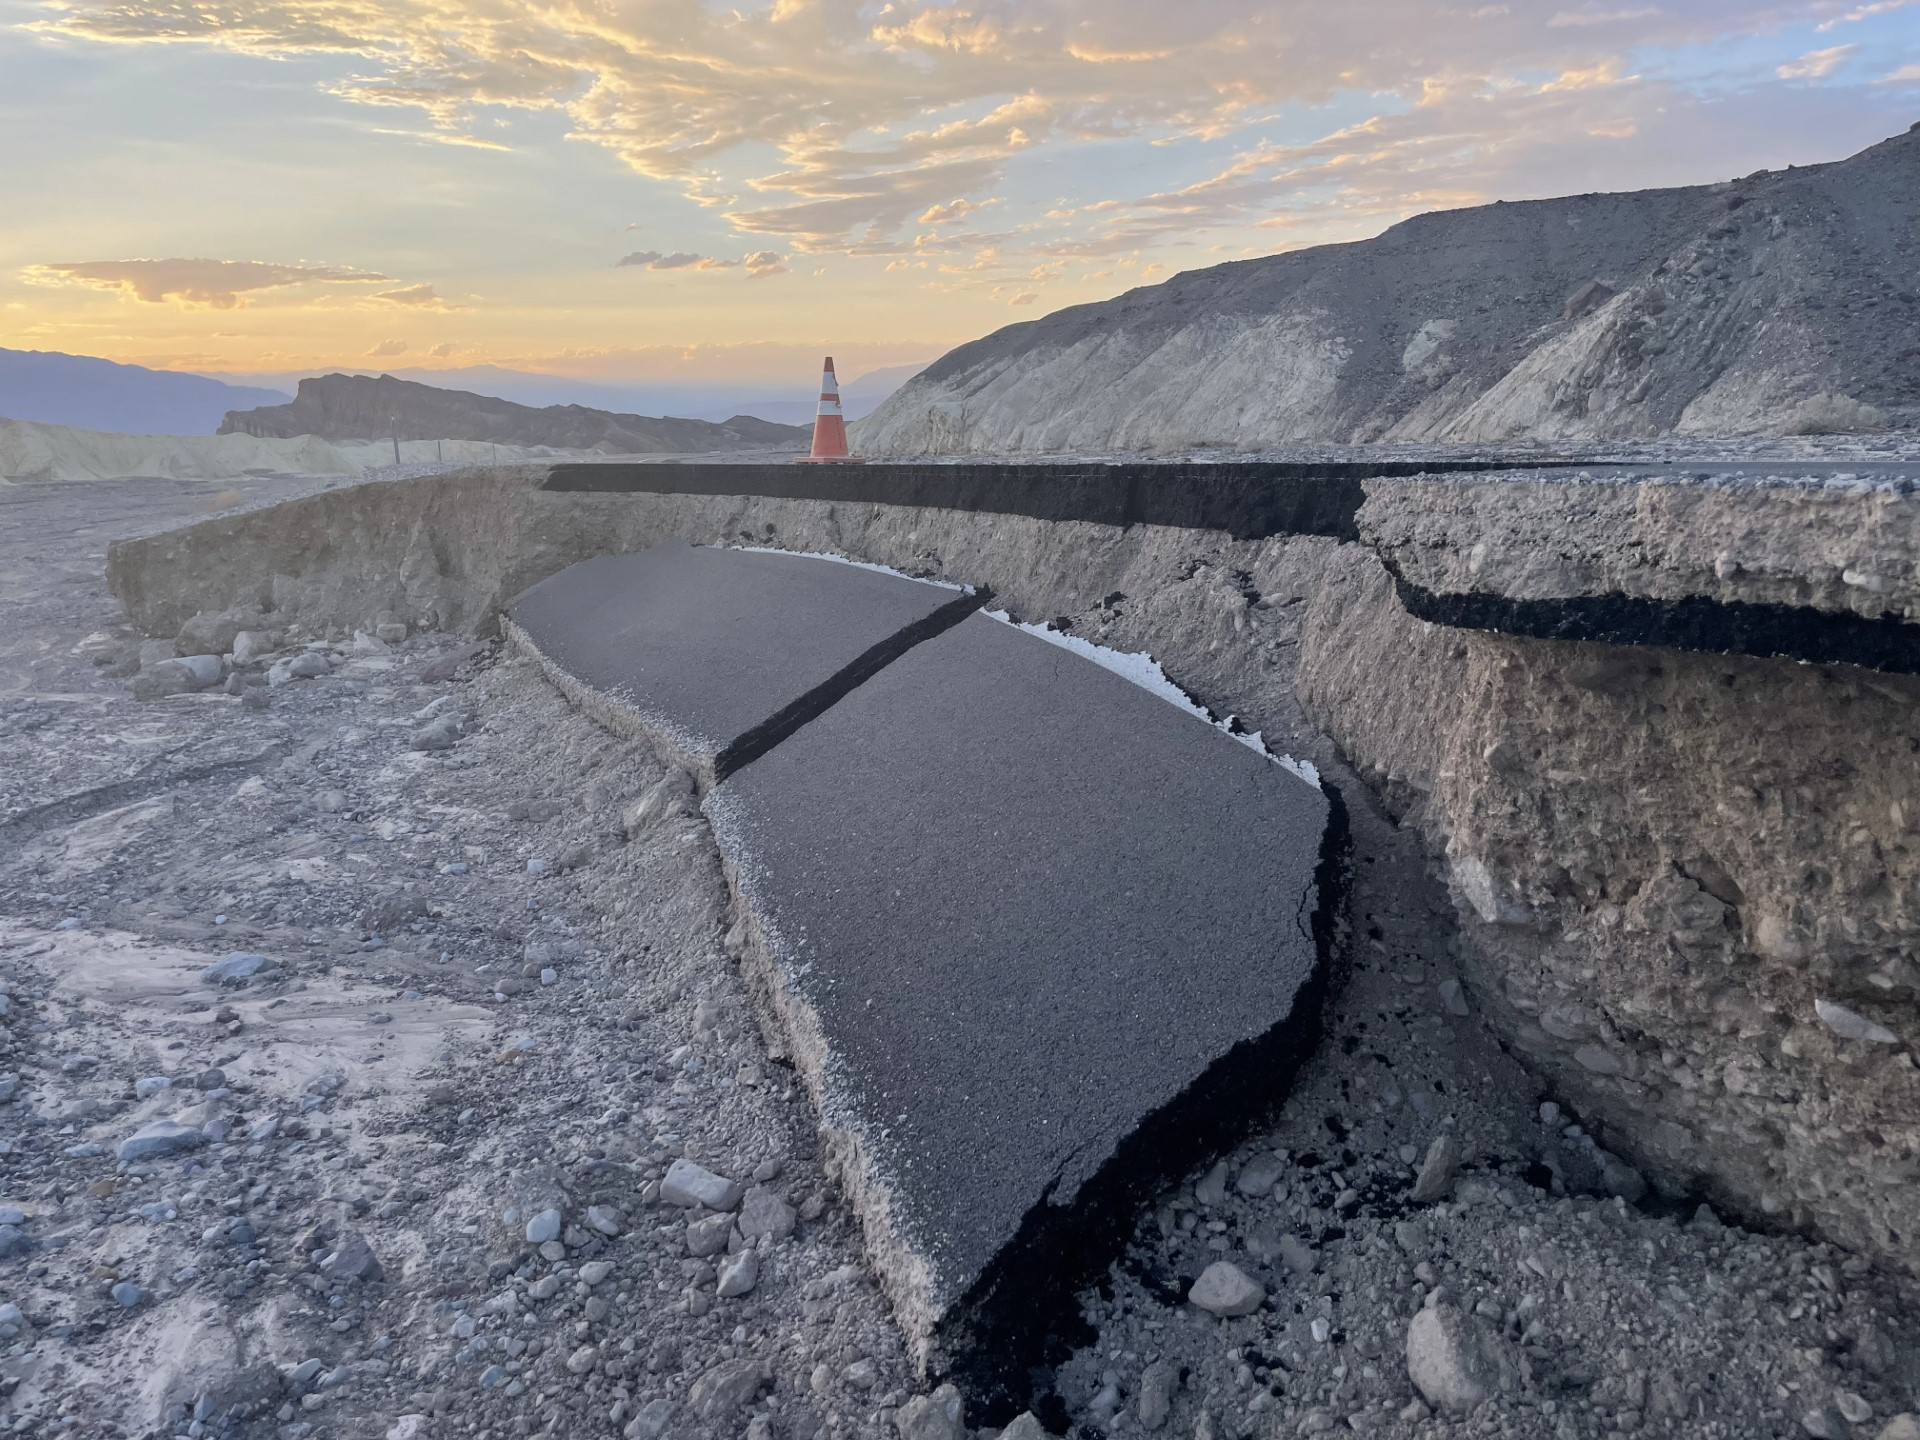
1664 861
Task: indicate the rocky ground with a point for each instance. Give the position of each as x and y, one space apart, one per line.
488 1141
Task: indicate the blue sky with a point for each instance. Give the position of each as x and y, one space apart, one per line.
254 185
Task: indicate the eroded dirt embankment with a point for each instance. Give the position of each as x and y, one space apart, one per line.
1686 880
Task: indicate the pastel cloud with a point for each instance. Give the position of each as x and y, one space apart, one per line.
386 349
759 263
885 115
415 297
217 284
1817 64
1565 18
654 260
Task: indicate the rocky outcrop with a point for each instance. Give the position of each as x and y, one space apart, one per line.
362 407
1780 303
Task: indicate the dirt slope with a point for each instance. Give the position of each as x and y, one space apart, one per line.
361 407
1744 307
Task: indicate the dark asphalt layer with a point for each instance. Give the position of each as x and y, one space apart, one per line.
1031 904
1247 500
713 646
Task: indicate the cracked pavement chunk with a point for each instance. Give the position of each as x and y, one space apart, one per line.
1022 918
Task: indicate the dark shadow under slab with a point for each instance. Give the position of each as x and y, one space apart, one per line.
1724 627
1247 500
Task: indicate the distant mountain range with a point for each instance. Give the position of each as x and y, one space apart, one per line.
93 394
364 407
78 390
860 396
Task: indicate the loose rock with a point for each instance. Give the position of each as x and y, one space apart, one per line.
159 1137
1259 1175
726 1388
765 1213
689 1184
1449 1359
739 1274
1437 1170
239 969
1224 1289
938 1416
1852 1025
1155 1401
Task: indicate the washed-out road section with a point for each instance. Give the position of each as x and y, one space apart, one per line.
1037 939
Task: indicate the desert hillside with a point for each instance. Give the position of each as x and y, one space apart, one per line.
1782 302
361 407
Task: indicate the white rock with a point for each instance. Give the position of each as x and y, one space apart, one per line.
739 1274
1155 1401
1295 1254
249 646
1212 1189
1225 1289
1437 1170
938 1416
708 1235
1476 885
1450 1361
605 1219
1853 1406
180 676
1852 1025
1259 1175
159 1137
653 1418
689 1184
765 1213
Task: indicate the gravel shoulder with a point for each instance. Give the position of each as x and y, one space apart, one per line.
426 1171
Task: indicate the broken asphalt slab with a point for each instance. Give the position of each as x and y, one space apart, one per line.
719 653
1040 940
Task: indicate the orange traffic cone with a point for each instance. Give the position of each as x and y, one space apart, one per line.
829 425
